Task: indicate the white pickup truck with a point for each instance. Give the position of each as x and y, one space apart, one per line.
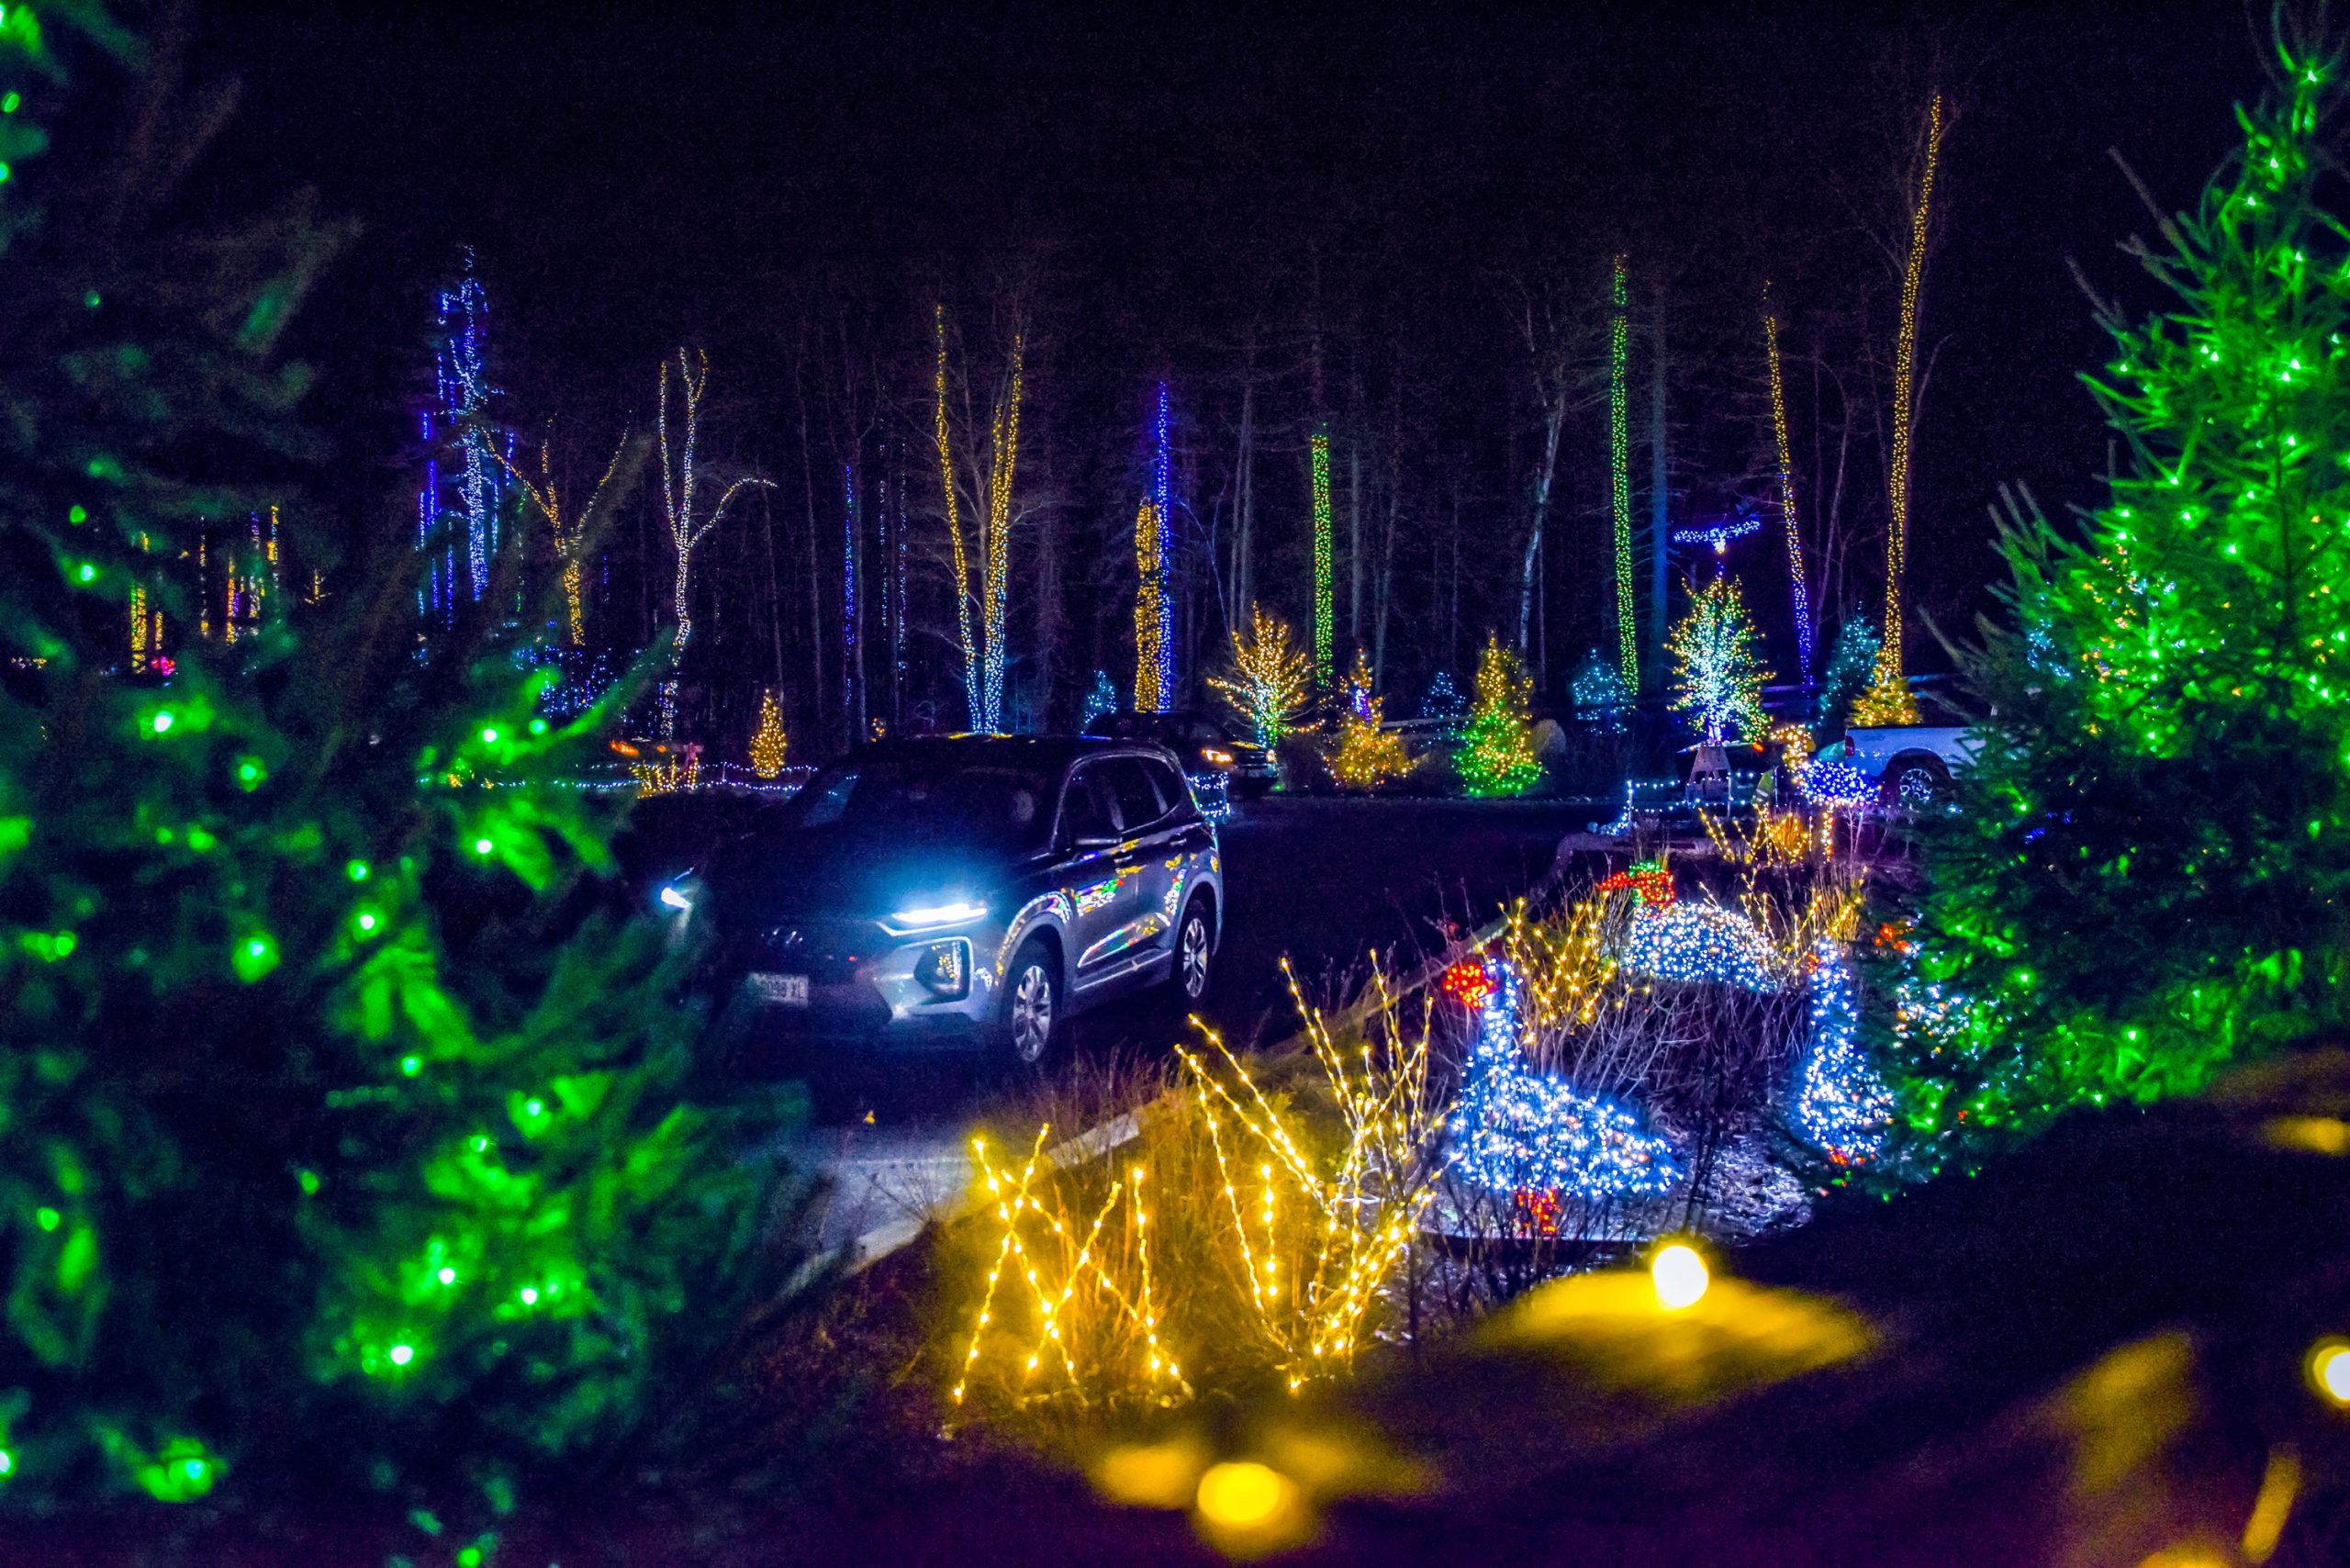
1912 763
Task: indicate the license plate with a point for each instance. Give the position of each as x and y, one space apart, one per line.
784 990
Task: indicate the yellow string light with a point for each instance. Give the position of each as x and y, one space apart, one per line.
1887 700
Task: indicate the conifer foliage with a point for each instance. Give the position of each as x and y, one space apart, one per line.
1368 755
1716 679
1497 743
340 1136
2149 873
769 745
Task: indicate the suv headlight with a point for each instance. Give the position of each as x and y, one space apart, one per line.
932 917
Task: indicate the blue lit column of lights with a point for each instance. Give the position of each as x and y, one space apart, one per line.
1787 516
848 592
1842 1104
1700 942
1515 1131
461 390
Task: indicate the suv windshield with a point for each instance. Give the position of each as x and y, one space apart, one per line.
933 799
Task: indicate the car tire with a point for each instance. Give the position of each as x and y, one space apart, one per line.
1029 1025
1913 780
1189 975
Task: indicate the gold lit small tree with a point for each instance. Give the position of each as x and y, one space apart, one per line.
1368 756
1271 678
769 746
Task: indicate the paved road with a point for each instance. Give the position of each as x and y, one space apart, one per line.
1319 880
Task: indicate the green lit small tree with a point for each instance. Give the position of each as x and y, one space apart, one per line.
344 1132
2149 871
1496 741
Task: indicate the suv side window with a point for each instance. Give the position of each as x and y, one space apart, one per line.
1085 810
1171 787
1138 804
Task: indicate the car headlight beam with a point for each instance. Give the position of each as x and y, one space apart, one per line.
934 917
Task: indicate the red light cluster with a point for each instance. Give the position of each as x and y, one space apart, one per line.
1468 984
1650 885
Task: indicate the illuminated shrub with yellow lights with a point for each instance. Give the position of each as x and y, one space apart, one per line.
1249 1236
2148 871
1366 755
342 1142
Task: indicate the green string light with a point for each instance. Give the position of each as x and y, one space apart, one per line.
1619 468
1325 612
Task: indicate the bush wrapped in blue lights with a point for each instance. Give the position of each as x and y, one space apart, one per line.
1690 940
1515 1131
1842 1104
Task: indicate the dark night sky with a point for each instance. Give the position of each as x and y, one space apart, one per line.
635 176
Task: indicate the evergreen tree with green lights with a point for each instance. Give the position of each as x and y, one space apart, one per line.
344 1141
1496 740
2148 875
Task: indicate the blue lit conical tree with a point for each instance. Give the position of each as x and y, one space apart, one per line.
341 1137
2148 874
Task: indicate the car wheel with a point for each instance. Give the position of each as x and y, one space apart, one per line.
1194 953
1030 1027
1913 782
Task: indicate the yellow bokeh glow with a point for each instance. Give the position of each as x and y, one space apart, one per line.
1241 1495
2330 1370
1680 1277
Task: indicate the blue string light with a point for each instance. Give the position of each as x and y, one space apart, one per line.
1700 942
1842 1104
461 382
1835 784
1515 1131
848 592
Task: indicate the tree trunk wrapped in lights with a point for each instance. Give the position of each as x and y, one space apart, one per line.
1887 700
2144 875
687 529
983 650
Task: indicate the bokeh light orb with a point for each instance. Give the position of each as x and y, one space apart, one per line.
1680 1276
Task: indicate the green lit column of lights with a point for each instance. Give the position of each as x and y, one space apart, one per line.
1323 611
1619 466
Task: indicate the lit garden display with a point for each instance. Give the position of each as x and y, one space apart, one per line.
1842 1103
2140 882
1368 755
1270 682
1496 756
1514 1130
1154 604
1798 591
1716 677
1699 942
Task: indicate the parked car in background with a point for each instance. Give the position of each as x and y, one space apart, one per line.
1210 754
962 893
1912 763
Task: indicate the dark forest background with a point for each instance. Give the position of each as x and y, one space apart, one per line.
1397 220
